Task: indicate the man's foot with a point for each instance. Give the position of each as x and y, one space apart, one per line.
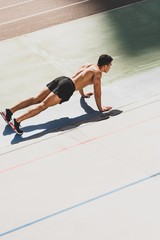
15 125
7 115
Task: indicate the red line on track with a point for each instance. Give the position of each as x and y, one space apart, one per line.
79 144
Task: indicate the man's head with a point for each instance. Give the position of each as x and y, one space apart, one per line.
105 62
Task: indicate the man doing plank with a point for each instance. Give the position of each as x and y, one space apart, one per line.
60 90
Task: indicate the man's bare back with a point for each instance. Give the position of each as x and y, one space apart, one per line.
85 75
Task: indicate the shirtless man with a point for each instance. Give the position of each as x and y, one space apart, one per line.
60 90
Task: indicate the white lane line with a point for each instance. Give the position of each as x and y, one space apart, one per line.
37 14
14 5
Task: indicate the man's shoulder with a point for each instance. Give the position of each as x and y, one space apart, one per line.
87 65
94 68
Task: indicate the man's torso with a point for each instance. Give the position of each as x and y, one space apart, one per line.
84 76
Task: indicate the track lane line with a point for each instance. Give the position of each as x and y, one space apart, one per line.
16 4
51 10
78 144
80 204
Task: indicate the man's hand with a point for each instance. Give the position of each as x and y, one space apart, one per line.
103 109
87 95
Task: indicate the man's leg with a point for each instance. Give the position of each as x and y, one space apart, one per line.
7 113
31 101
51 100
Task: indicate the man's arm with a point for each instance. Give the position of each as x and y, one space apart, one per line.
81 92
87 95
97 92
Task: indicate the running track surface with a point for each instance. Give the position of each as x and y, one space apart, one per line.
128 159
21 17
120 173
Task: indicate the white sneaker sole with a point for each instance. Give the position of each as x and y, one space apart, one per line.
13 127
4 117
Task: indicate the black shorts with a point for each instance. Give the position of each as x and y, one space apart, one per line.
63 87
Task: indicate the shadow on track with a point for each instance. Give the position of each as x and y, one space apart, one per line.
62 124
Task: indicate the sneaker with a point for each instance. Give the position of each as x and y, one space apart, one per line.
15 125
7 115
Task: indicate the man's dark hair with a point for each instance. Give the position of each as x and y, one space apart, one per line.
104 60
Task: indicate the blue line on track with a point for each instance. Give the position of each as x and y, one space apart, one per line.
79 204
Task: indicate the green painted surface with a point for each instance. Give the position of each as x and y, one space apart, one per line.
130 34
